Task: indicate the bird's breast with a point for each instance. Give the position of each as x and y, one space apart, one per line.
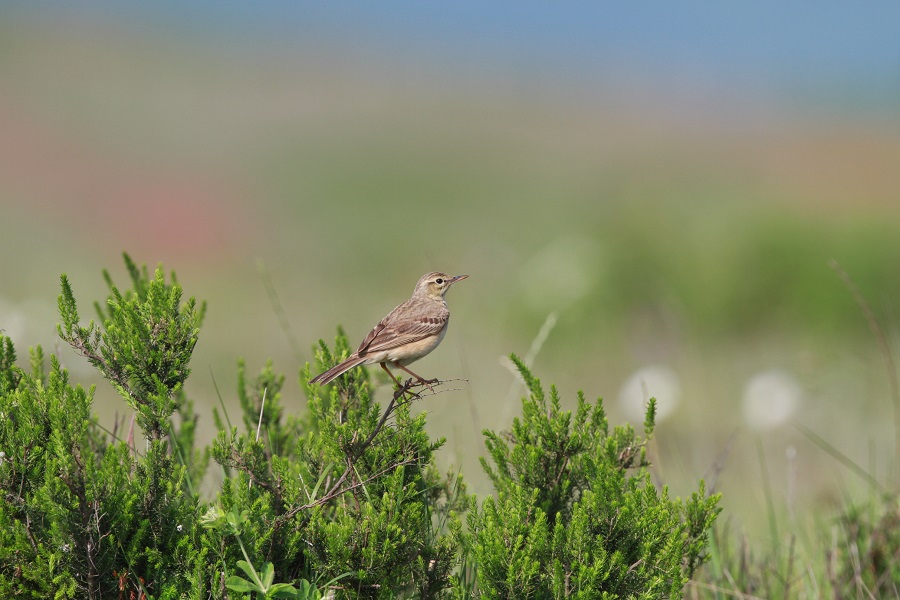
416 350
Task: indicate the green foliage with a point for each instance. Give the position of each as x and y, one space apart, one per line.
259 581
144 344
869 550
341 501
576 514
346 498
87 516
9 375
853 556
82 518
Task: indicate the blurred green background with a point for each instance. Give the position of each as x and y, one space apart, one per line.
660 190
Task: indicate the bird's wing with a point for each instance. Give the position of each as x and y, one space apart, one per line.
364 346
389 334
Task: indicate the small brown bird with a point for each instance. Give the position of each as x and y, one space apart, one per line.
406 334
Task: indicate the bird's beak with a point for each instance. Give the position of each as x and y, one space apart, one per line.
457 278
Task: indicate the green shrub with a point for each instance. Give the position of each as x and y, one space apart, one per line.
84 515
864 552
576 514
342 500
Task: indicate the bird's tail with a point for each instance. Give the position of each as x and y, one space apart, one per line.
333 372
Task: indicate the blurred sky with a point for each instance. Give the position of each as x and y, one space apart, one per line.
764 42
229 130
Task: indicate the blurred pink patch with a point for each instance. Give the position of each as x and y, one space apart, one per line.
183 215
148 211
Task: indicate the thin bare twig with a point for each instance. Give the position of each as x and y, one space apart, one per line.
278 309
712 474
262 407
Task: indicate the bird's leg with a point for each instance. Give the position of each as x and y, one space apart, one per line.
402 388
388 371
426 382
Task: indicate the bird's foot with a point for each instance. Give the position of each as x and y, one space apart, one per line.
409 384
404 388
428 383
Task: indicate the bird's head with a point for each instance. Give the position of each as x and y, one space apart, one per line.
436 284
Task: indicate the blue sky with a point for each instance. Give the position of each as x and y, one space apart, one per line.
766 39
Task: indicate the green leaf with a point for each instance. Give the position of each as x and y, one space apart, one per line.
286 590
268 575
239 584
247 568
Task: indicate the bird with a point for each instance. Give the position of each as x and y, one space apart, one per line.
406 334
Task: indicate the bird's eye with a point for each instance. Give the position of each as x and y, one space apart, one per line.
439 280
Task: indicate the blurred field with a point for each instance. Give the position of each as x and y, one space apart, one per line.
681 225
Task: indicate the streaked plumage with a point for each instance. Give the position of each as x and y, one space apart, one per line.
407 333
